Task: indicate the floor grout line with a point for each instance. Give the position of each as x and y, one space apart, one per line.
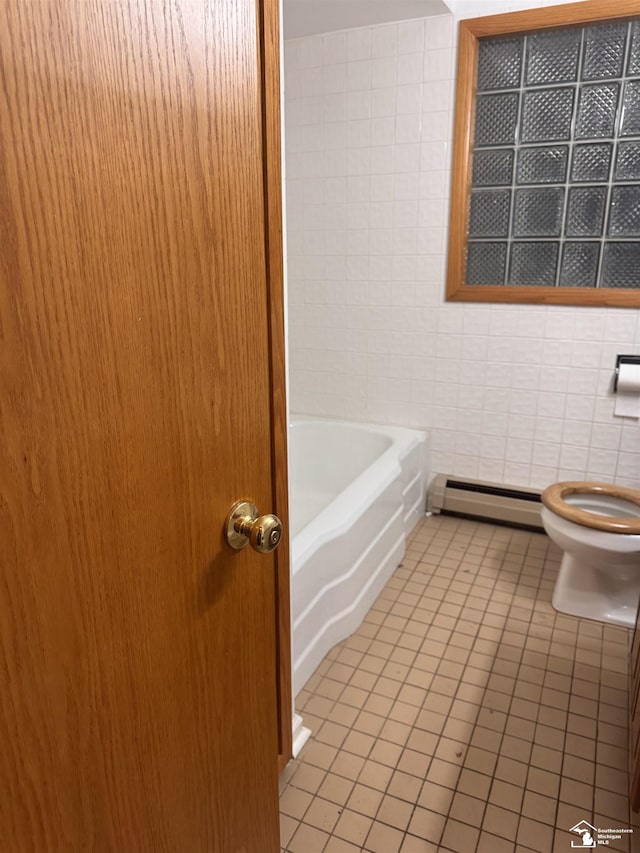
469 604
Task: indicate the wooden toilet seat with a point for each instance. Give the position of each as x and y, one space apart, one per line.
554 496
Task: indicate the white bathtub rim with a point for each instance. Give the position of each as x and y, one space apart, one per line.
307 542
396 432
338 554
348 504
346 577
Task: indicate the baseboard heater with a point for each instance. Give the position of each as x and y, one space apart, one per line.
489 501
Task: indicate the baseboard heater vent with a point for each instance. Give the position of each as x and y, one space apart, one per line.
489 501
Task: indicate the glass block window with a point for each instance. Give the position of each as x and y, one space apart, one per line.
555 178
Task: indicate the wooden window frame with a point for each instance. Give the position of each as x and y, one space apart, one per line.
470 32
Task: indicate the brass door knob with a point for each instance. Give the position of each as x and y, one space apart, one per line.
244 526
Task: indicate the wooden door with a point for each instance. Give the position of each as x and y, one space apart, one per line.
634 718
140 380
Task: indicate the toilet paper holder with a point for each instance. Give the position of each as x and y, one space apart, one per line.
623 359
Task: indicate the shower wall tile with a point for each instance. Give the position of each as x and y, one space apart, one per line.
518 394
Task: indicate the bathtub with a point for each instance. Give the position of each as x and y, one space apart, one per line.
356 492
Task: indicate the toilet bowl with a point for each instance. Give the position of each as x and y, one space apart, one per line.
597 525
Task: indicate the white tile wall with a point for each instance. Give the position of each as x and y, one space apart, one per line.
513 394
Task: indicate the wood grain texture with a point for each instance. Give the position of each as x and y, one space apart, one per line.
470 31
634 718
547 17
138 707
526 295
275 300
553 497
466 83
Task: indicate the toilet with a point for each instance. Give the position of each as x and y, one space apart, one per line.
597 525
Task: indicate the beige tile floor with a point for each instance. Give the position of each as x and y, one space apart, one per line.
465 714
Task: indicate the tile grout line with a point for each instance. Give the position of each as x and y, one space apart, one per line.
532 565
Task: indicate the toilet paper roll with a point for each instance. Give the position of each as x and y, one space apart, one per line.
627 403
